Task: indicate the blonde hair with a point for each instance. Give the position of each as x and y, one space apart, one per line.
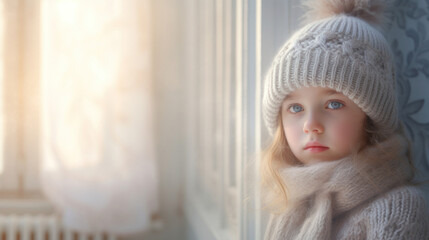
278 155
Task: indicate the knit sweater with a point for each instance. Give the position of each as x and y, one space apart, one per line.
360 197
397 214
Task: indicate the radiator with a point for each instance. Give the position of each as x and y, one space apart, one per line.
41 227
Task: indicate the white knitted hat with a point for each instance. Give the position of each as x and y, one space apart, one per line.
342 51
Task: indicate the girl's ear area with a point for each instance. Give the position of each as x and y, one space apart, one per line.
283 110
372 134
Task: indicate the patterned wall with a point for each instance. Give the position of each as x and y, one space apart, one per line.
408 35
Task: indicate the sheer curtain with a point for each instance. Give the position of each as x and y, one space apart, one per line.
98 164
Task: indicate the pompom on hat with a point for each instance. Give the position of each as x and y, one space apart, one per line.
342 49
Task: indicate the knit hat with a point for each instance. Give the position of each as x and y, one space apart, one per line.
344 51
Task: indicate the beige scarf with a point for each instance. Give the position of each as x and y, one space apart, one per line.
320 192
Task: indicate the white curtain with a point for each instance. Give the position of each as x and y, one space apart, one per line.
98 150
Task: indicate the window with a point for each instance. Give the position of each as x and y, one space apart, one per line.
230 44
91 63
1 82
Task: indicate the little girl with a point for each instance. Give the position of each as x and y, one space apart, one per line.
339 164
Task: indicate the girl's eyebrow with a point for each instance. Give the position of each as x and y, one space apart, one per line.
332 92
289 97
328 92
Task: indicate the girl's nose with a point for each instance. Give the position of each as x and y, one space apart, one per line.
313 125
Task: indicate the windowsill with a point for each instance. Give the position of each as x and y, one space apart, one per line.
24 204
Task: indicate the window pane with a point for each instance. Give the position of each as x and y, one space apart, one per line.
2 20
233 90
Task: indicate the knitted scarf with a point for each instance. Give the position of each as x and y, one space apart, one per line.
320 192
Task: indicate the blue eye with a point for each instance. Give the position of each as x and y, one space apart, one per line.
295 108
335 105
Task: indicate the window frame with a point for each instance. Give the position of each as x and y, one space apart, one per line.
21 94
246 35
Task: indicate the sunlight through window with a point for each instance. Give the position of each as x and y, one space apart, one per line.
82 49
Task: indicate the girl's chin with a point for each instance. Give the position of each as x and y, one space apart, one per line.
310 161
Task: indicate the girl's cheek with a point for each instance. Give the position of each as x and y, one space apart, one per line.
292 133
349 131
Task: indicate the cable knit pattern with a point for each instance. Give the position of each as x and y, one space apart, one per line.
397 214
358 197
343 53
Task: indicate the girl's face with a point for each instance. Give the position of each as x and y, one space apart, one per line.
321 124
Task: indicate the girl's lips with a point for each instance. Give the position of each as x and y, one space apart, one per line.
316 149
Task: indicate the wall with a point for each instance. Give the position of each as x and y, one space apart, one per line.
407 33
